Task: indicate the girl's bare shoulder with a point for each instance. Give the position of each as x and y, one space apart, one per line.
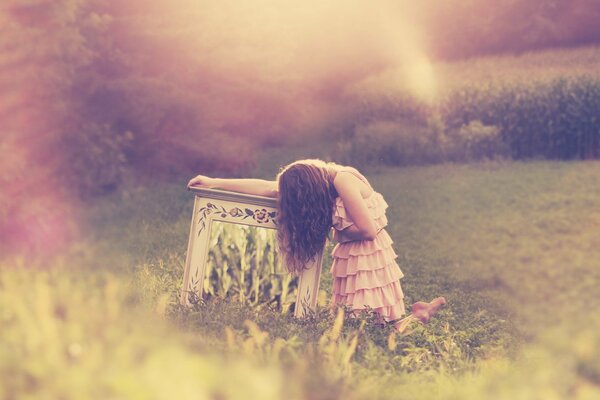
351 171
352 178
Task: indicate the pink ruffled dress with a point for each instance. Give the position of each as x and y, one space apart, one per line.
365 272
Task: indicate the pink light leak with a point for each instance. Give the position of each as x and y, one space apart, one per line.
37 218
37 215
267 67
242 69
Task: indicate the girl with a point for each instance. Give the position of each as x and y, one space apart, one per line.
315 196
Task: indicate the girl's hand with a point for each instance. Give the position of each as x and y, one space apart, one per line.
352 234
202 181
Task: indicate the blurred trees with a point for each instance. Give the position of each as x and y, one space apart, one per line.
94 91
466 28
52 52
41 51
98 88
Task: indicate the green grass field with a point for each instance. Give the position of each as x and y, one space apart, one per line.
514 247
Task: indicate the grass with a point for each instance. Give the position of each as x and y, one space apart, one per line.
524 236
513 247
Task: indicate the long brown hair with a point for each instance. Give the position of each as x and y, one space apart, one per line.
305 208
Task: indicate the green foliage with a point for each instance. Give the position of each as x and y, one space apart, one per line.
89 71
555 119
396 143
387 143
243 264
72 336
511 246
478 142
97 158
488 108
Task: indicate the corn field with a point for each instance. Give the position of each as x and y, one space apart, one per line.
509 108
243 264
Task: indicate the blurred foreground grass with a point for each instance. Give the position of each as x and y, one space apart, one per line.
513 247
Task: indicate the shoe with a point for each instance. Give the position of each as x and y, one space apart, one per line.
424 311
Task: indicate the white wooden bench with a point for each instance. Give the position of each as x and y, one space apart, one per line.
236 208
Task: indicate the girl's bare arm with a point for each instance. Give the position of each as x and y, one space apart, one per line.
257 187
353 232
364 227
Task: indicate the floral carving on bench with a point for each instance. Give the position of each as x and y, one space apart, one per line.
260 215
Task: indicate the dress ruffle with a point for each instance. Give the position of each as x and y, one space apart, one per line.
392 312
342 267
382 241
367 279
365 272
386 296
376 205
